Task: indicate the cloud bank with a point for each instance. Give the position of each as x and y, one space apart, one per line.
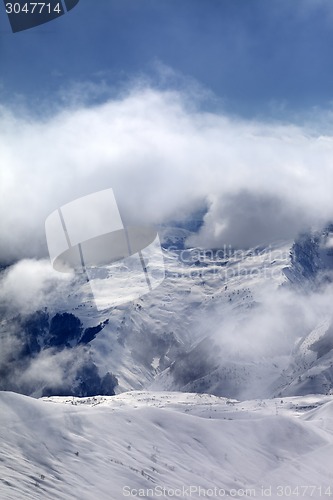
163 156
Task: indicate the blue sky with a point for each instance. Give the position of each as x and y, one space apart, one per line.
233 112
261 58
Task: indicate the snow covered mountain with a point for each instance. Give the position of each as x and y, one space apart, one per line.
238 324
202 355
160 444
311 361
149 341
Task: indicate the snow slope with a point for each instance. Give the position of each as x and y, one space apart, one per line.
143 339
220 323
311 365
137 443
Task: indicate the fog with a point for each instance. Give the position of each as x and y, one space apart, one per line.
164 156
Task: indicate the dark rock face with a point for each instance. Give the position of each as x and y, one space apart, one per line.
312 258
305 255
60 331
86 383
60 342
64 329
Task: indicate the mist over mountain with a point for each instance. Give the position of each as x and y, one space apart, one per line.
162 151
229 322
166 249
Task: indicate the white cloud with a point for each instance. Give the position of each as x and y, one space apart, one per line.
53 369
272 328
30 285
162 156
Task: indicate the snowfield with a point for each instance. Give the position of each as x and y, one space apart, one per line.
240 326
165 445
